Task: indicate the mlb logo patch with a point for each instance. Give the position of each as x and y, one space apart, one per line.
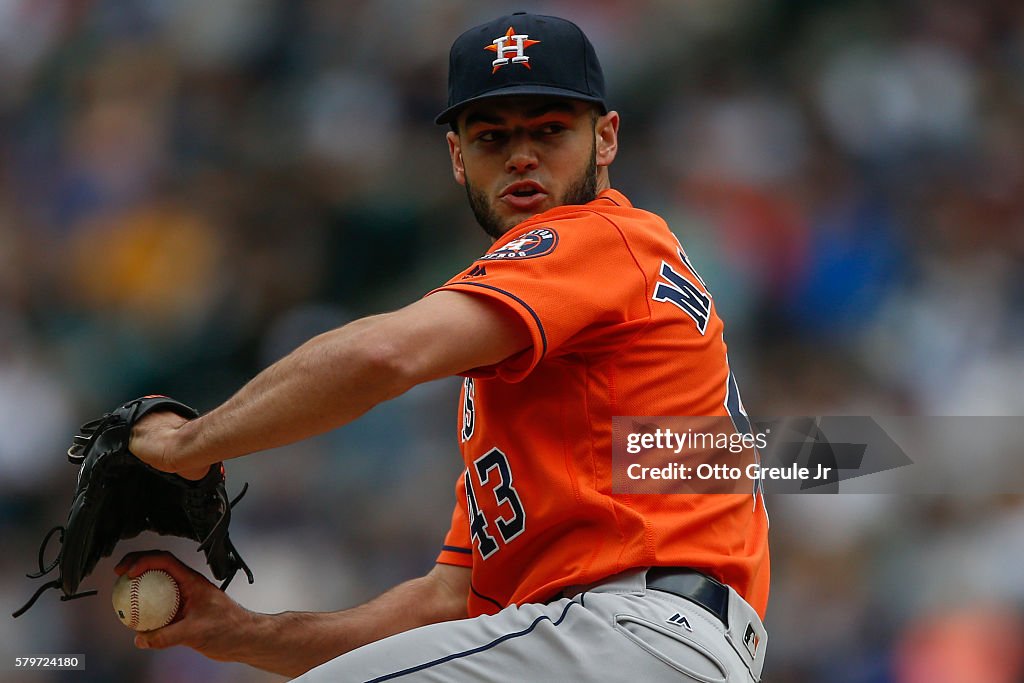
751 640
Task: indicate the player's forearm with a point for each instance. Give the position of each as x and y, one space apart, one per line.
336 377
325 383
292 643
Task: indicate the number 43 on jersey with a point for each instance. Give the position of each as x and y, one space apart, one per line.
490 474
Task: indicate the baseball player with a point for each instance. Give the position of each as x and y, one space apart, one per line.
584 308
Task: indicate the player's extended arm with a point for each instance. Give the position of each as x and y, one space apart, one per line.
291 643
336 377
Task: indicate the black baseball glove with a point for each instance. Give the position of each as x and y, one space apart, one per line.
118 496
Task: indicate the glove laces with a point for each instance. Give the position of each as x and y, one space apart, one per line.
44 570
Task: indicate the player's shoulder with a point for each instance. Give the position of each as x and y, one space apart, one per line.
608 225
610 212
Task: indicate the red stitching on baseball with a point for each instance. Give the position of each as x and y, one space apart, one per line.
177 597
133 597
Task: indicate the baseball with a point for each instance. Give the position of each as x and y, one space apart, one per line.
147 602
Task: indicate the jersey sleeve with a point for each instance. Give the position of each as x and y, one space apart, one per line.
458 548
573 282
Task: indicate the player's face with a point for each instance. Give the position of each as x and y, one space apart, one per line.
519 156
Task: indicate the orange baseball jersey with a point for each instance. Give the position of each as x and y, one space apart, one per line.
621 326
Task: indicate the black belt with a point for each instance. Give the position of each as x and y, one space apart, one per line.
693 586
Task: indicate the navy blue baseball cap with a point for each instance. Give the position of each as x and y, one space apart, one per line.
522 54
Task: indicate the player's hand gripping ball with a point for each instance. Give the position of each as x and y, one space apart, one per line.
147 602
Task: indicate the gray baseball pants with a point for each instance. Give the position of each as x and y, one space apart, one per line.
616 630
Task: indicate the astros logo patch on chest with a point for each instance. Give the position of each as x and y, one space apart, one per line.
511 43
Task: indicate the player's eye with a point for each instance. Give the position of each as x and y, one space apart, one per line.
489 136
552 128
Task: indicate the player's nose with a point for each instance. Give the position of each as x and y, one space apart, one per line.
522 154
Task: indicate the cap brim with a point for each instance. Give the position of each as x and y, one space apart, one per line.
451 112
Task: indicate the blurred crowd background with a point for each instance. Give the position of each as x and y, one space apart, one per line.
189 189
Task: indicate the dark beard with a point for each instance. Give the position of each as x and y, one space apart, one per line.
580 191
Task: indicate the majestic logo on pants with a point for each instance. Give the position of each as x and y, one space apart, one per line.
678 619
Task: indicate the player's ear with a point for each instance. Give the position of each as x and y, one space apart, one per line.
455 152
606 138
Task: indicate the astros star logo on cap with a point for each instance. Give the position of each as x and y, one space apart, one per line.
564 66
511 43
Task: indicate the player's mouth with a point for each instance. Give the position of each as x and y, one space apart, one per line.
525 195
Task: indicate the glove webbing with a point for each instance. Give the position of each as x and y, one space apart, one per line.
56 583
